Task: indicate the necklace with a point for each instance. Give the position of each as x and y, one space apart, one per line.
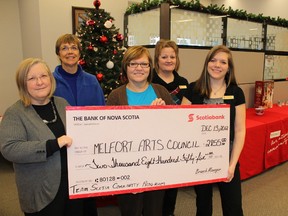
215 92
55 115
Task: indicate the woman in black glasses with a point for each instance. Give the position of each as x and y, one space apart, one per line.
138 90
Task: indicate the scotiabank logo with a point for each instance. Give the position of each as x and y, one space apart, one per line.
191 117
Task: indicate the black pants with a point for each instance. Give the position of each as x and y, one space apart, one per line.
63 206
169 201
147 203
231 197
90 207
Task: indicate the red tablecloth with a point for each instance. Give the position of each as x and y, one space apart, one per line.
266 142
277 137
252 156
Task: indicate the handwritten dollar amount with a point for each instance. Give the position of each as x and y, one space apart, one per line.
215 142
149 161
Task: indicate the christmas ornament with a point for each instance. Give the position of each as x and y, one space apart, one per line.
114 52
97 4
99 77
119 37
90 22
109 64
108 24
82 62
95 49
103 39
124 49
90 47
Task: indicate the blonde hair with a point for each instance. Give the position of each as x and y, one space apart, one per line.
21 79
161 44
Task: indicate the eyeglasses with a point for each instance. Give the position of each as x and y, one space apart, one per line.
66 48
135 65
34 79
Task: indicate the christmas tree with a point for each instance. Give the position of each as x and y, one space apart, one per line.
102 47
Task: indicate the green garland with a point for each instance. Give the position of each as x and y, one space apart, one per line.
195 5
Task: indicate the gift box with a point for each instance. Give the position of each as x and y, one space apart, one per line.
264 94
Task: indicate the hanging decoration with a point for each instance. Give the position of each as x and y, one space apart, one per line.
108 24
109 64
103 39
97 4
119 37
214 9
99 77
90 22
82 62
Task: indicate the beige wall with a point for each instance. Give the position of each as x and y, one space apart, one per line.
10 51
31 27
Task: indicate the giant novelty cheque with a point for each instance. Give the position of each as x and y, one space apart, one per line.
124 149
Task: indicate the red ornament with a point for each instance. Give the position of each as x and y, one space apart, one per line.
114 52
103 39
99 77
90 22
119 37
97 4
82 62
90 47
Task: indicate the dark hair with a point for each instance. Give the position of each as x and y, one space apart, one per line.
165 44
203 83
132 53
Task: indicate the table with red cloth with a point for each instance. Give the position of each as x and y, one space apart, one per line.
266 141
